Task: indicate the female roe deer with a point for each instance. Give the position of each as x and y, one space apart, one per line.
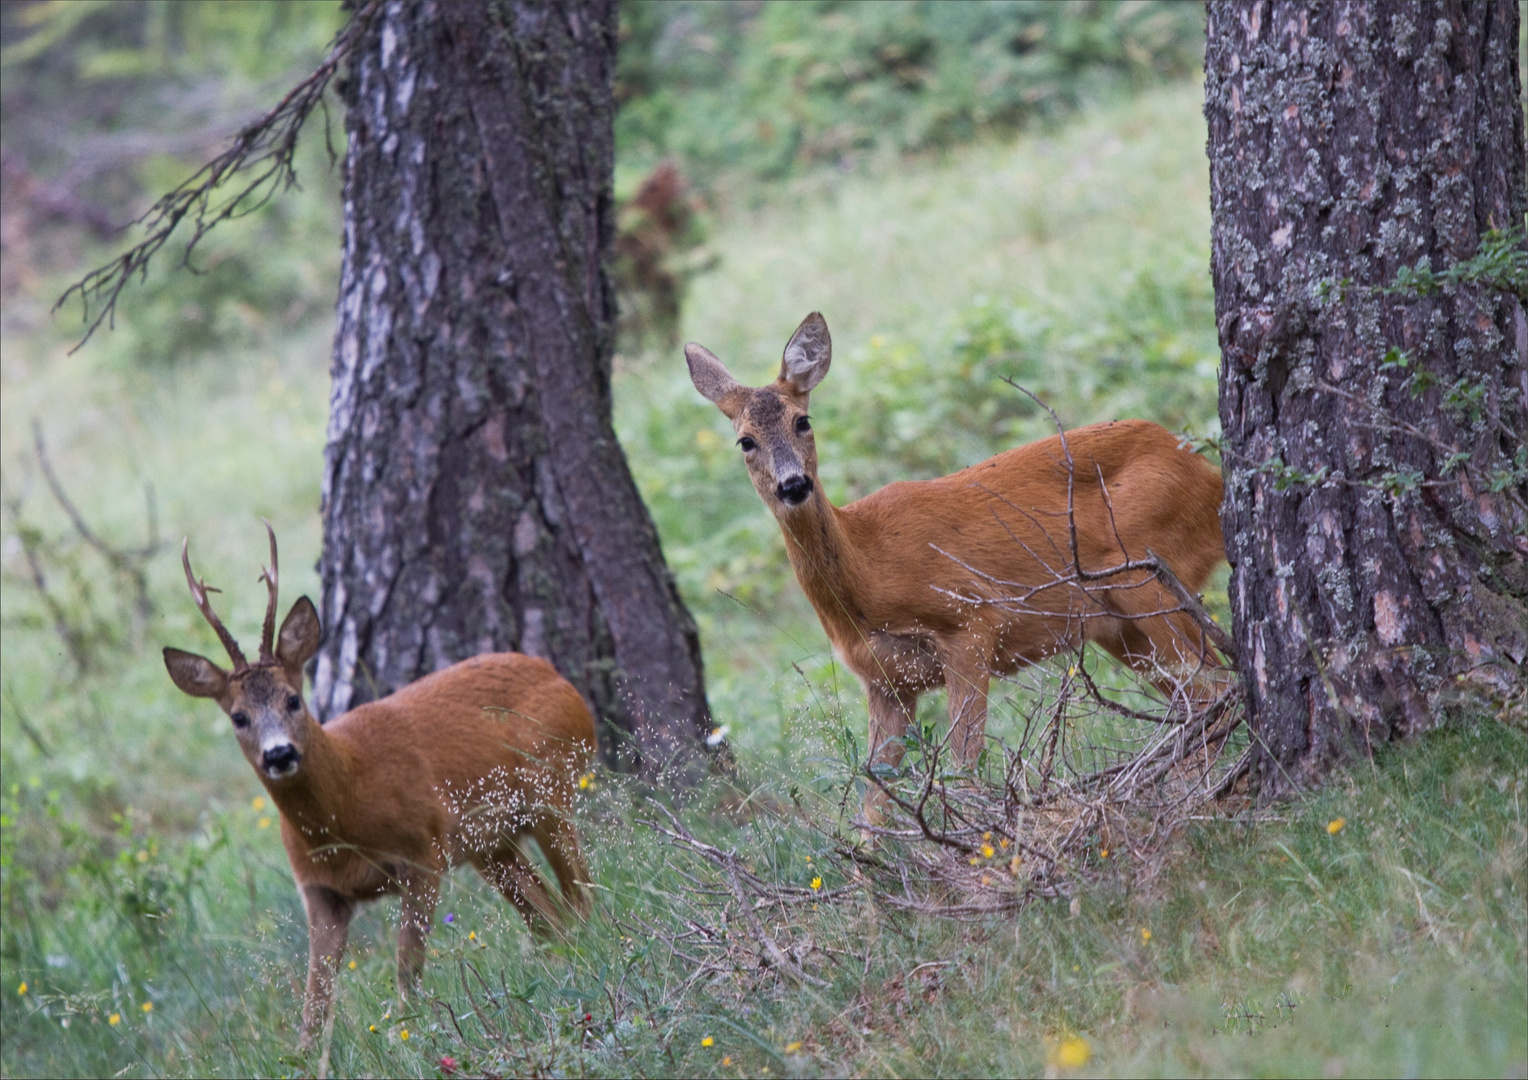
952 581
461 766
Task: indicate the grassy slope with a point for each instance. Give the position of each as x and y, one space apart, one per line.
1401 941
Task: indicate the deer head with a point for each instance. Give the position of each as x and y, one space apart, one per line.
264 699
772 425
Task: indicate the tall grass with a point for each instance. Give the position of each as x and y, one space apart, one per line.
137 869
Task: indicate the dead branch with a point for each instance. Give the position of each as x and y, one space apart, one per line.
956 847
262 153
73 637
130 563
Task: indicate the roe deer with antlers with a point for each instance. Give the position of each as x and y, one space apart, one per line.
953 581
462 766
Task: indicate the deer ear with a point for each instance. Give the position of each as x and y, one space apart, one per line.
713 380
807 355
195 675
299 636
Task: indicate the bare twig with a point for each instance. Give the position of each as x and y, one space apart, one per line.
129 562
73 637
262 152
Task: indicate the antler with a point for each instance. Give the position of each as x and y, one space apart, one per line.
199 590
269 576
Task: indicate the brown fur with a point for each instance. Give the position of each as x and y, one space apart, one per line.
462 766
953 581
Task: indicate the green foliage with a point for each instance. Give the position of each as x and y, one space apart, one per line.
1500 263
773 88
104 45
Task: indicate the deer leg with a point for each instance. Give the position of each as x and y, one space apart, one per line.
559 841
891 710
509 871
1169 650
421 891
966 678
328 925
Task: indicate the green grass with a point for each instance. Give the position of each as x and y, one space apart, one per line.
134 868
1396 946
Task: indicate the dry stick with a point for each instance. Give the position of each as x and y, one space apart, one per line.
72 638
1151 562
25 724
129 562
782 961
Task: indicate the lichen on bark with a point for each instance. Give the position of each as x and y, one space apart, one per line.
1349 141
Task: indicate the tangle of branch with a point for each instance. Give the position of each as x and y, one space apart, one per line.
261 155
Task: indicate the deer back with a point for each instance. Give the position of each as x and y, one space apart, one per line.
1005 525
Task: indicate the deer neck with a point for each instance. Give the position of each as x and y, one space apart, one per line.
317 799
826 562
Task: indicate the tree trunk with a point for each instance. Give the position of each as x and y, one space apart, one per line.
1369 576
475 497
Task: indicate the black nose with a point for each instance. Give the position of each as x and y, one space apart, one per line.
793 491
281 758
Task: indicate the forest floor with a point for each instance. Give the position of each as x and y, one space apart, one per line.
1377 927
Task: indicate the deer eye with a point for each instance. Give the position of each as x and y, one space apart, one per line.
240 718
802 425
747 443
293 703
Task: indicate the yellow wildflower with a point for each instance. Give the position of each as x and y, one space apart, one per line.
1003 843
793 1047
1072 1053
708 1041
586 781
986 836
988 851
257 804
1014 864
264 823
371 1028
816 883
472 935
114 1019
726 1061
352 965
404 1034
22 989
147 1006
1334 826
1145 935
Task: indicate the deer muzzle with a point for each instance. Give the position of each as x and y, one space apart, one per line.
793 490
280 761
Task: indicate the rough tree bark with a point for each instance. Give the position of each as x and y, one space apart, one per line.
1349 140
475 497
